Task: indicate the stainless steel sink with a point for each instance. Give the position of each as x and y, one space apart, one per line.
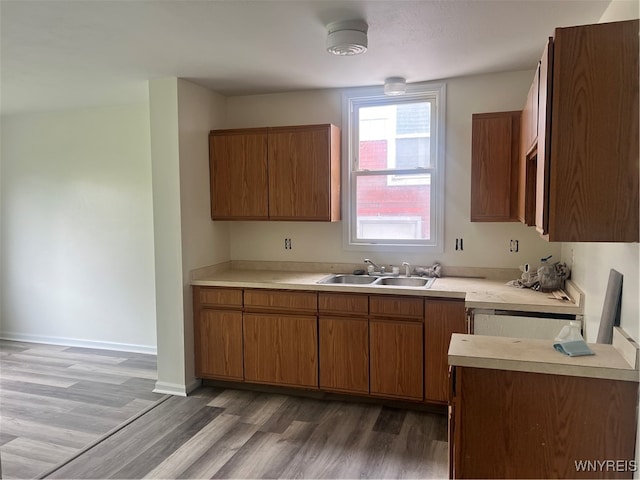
405 281
348 279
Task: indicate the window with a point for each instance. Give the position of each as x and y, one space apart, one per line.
395 174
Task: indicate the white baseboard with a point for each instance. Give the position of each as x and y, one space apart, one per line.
176 388
74 342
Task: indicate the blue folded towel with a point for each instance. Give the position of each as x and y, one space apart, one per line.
573 348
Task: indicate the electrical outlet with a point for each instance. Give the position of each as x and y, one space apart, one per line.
514 246
287 244
459 244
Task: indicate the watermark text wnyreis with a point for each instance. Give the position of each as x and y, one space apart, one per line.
606 465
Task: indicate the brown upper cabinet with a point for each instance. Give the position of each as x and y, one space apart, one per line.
495 148
279 173
238 174
528 152
587 148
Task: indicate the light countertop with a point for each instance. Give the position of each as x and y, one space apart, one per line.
477 292
537 356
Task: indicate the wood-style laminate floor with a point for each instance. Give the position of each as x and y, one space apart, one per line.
55 400
225 433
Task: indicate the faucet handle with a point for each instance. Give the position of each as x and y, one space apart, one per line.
407 269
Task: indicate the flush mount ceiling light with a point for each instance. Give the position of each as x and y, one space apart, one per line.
395 86
347 38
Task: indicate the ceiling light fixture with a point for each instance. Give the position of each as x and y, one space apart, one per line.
347 38
395 86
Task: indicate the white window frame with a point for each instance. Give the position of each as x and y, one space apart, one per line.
350 149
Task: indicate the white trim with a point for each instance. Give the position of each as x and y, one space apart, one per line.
437 192
75 342
176 388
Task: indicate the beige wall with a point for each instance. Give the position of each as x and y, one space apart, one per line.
165 167
621 10
203 242
185 238
77 243
486 245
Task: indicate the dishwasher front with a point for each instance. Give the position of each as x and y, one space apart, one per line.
505 323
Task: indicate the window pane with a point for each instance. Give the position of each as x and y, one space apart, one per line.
413 118
394 136
393 207
413 152
373 155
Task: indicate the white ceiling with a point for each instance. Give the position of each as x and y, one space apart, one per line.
83 53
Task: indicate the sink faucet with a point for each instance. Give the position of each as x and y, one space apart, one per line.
374 265
407 269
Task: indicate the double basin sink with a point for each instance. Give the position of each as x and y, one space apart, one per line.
346 279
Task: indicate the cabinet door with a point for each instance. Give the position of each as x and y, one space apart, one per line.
442 318
396 359
495 166
512 424
593 177
528 155
218 335
281 349
238 170
529 121
545 90
304 178
344 354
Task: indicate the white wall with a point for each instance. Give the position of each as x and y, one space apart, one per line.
203 242
593 261
621 10
486 244
591 266
165 167
185 238
76 214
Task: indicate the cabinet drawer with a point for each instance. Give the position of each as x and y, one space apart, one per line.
220 297
406 308
280 301
343 304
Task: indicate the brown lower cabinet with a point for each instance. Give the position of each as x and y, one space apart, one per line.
344 354
220 344
510 424
442 318
396 346
281 349
396 359
218 333
343 335
379 345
